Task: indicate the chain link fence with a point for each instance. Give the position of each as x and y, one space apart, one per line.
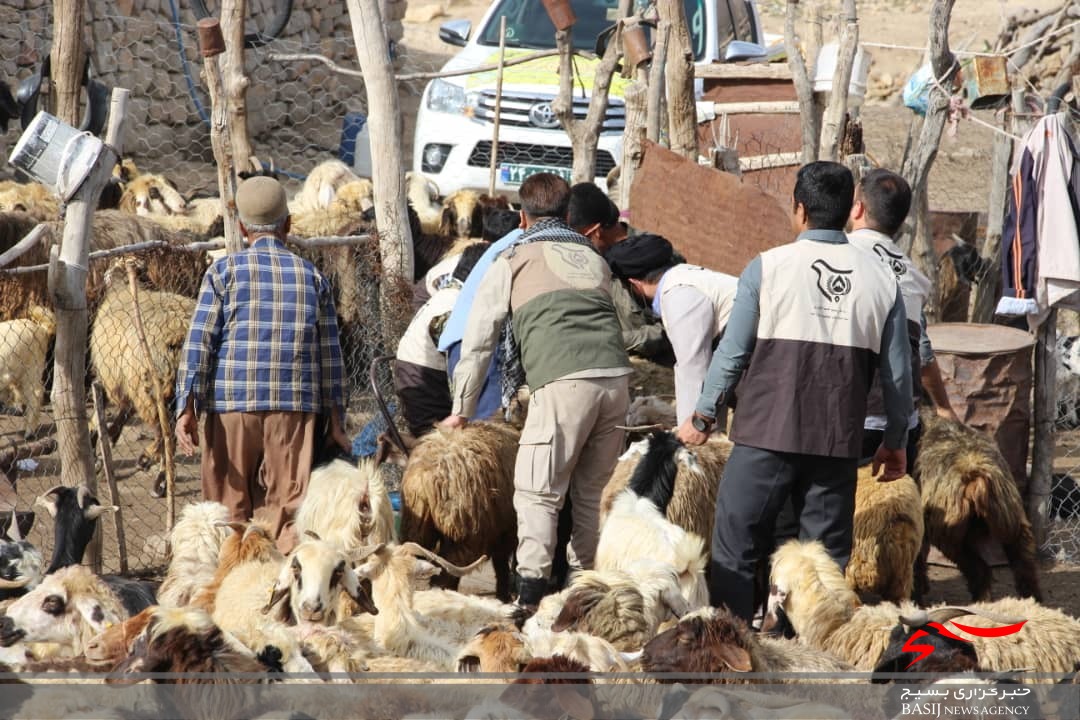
1063 536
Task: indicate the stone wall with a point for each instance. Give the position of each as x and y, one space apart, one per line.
295 109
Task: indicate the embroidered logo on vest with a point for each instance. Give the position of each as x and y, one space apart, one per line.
833 284
896 262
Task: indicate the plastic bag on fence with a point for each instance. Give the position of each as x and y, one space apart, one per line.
917 89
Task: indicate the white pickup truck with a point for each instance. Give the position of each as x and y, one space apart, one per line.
454 126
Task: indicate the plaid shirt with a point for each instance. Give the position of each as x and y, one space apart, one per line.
264 336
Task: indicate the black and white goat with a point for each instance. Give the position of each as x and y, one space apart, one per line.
20 563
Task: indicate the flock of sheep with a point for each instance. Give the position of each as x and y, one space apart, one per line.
358 595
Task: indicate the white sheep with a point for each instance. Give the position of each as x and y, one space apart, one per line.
809 589
23 346
196 544
31 198
636 529
321 185
149 195
502 648
347 505
424 198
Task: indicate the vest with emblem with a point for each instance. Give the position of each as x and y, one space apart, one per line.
914 288
563 318
823 308
718 287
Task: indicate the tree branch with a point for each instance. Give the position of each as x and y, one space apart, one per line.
803 88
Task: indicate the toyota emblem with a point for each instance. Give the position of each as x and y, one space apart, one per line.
542 116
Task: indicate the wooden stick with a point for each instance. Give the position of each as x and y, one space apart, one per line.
233 14
67 57
498 107
165 426
766 162
986 293
105 448
306 243
211 45
811 132
20 248
735 71
1042 451
778 107
409 77
832 123
67 287
656 82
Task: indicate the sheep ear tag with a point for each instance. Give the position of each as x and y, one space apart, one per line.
735 658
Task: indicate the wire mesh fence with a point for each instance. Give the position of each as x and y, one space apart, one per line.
1063 536
137 375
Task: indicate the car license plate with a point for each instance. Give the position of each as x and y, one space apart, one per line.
511 174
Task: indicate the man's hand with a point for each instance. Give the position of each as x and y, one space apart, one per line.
894 463
187 432
946 412
689 435
337 432
454 421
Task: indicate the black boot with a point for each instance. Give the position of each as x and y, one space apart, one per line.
530 592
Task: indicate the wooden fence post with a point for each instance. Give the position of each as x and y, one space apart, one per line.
233 14
68 268
832 124
66 59
679 78
804 89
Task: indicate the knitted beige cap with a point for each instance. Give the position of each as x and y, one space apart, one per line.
261 200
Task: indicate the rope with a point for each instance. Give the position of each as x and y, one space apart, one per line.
968 53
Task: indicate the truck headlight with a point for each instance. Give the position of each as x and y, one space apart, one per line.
449 98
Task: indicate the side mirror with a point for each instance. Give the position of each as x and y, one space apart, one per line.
455 32
739 50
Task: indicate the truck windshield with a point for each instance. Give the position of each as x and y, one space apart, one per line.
528 25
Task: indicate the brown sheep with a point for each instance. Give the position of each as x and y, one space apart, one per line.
969 496
121 365
23 347
888 532
115 642
248 543
31 198
693 506
712 640
457 497
152 195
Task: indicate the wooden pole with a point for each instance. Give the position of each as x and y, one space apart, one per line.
656 81
105 447
233 14
164 426
989 287
804 89
211 45
498 107
634 132
66 59
388 175
1042 451
67 286
679 77
832 124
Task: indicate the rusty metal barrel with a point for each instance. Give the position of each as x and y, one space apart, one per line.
988 374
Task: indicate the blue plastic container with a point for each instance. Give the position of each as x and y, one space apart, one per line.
350 128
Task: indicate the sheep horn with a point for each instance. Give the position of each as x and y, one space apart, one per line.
13 532
53 489
920 618
81 493
312 534
365 553
455 570
949 612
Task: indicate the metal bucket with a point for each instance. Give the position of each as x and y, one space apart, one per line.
56 154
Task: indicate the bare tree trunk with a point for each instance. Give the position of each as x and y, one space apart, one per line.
233 13
832 126
655 111
633 138
916 168
67 286
1044 411
924 255
584 134
804 89
66 59
211 45
679 77
388 174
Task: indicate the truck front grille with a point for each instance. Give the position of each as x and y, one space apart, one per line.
528 154
515 109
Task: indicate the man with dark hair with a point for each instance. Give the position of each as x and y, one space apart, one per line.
594 215
882 201
692 302
420 375
546 302
812 321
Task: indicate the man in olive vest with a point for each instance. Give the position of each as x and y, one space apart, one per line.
812 323
546 300
692 302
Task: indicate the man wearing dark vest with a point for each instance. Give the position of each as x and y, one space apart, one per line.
812 322
548 297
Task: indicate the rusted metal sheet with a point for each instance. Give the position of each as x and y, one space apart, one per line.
986 81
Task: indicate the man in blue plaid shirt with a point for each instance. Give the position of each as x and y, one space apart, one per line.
261 362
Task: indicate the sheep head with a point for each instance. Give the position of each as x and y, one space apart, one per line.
710 640
495 648
153 195
115 642
311 577
808 590
69 607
